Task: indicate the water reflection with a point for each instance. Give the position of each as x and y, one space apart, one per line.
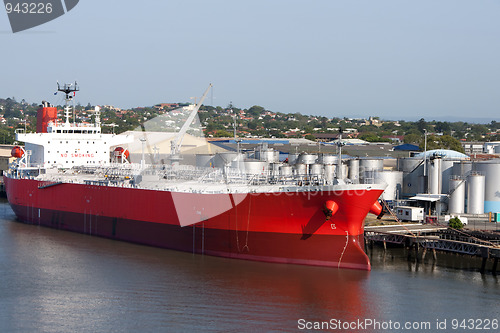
60 281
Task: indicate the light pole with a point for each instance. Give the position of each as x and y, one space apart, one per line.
425 160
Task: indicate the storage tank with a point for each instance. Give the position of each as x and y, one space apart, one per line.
300 169
292 158
252 167
330 172
204 160
221 160
368 169
268 155
491 170
286 171
462 168
394 181
456 204
475 195
354 170
413 175
434 167
316 169
275 169
446 173
327 159
307 158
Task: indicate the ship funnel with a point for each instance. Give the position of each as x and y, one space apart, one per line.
45 115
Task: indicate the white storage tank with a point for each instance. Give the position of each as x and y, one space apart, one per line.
327 159
394 181
446 173
462 168
491 170
369 168
456 204
413 175
204 160
300 169
354 170
434 165
476 190
330 172
286 171
316 169
292 158
307 158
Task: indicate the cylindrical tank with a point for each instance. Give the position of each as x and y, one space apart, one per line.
221 160
327 159
316 169
446 173
292 158
434 165
330 172
300 169
491 170
307 158
476 190
413 172
462 168
286 171
250 166
275 169
369 168
394 181
456 203
344 171
204 160
354 170
268 155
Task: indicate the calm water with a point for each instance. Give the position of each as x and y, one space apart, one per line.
54 281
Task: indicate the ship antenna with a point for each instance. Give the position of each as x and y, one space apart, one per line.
68 89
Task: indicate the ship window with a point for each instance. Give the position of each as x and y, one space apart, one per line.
60 141
65 131
78 141
70 131
49 142
66 141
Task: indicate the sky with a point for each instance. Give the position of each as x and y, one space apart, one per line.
394 59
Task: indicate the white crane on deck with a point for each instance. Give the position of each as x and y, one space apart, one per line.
176 143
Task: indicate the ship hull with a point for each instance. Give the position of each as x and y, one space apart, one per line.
270 227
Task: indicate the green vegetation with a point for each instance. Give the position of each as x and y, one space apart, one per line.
455 223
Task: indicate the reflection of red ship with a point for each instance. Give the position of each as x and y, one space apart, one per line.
63 179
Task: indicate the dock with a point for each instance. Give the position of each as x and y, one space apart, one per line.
423 238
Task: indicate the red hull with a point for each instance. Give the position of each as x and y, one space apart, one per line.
275 227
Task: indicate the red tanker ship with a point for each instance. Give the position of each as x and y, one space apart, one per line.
64 178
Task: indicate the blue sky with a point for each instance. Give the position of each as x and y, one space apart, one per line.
394 59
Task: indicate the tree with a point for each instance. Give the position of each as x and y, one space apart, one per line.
455 223
255 111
